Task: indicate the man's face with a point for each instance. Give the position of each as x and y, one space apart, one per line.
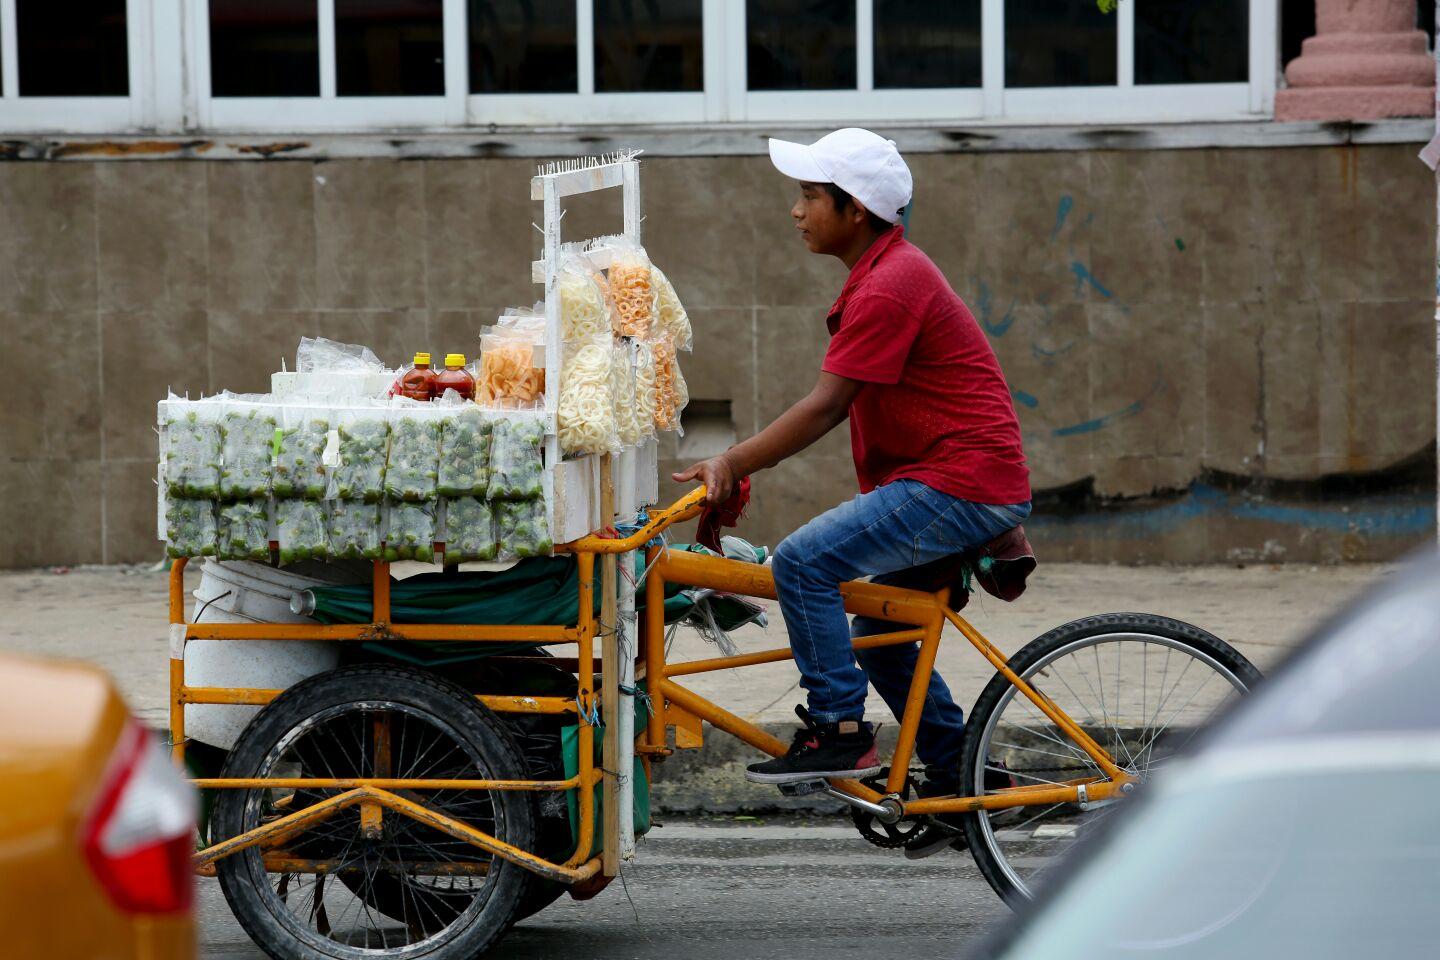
824 228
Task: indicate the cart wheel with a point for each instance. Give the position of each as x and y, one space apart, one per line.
406 889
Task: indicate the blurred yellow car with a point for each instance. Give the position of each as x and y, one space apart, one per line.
96 824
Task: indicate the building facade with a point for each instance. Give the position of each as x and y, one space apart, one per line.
1218 328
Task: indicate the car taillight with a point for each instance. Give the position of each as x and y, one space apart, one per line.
140 834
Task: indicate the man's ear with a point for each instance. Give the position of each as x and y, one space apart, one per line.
861 215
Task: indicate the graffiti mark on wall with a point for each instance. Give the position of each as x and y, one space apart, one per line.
1098 423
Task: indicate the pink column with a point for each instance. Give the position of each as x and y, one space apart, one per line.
1366 61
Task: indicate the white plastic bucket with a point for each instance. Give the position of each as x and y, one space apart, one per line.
241 592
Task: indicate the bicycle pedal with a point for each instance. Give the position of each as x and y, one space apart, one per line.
802 788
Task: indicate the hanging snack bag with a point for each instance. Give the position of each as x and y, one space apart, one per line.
632 293
364 441
584 305
523 529
670 317
301 524
622 394
585 418
191 448
353 527
300 470
645 389
190 528
411 534
413 465
244 532
247 441
516 465
512 370
464 453
671 394
469 530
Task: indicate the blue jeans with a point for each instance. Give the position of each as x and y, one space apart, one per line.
881 534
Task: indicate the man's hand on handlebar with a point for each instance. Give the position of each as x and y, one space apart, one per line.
716 473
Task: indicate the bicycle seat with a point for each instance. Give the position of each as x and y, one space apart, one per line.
1001 567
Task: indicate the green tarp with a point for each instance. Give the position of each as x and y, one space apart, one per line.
570 750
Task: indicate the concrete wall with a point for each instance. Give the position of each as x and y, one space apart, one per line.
1216 354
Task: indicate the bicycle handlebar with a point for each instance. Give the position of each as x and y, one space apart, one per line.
686 508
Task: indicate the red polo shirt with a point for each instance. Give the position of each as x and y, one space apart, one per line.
935 406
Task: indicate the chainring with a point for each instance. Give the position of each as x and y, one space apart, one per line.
887 836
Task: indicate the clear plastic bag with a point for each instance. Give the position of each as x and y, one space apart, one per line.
584 305
645 389
191 449
469 530
353 527
512 371
413 465
671 320
516 464
244 531
585 417
247 444
464 453
622 394
632 292
316 355
190 528
671 394
301 525
522 528
360 472
411 534
300 470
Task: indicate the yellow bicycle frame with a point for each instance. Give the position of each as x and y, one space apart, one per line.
920 616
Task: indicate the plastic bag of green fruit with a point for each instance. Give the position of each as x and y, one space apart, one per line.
469 530
411 533
413 465
244 531
522 528
360 472
247 443
516 464
465 437
190 528
354 530
300 471
190 447
301 525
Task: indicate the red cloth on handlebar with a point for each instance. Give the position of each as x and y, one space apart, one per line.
724 514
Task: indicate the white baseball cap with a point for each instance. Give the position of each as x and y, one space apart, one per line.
863 164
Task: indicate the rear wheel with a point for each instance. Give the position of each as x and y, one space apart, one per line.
407 890
1140 685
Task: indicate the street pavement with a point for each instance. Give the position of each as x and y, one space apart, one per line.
727 888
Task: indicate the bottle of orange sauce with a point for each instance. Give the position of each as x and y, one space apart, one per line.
417 383
455 377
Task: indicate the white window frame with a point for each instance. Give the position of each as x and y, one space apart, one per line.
76 114
169 65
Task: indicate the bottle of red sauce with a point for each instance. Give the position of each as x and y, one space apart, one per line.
418 383
455 377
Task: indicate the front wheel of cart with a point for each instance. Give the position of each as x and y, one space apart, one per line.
352 887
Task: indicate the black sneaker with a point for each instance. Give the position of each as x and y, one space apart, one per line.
845 750
944 830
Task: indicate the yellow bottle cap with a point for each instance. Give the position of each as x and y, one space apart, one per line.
422 358
454 359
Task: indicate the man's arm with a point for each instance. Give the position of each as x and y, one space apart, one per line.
826 406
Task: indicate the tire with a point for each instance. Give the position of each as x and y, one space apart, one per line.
1050 652
464 729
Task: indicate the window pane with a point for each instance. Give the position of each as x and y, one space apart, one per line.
1058 43
800 44
921 43
648 45
72 49
389 48
264 48
1192 41
522 46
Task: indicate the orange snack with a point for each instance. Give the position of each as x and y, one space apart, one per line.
667 391
632 295
509 377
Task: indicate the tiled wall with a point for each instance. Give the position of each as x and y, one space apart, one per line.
1265 313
